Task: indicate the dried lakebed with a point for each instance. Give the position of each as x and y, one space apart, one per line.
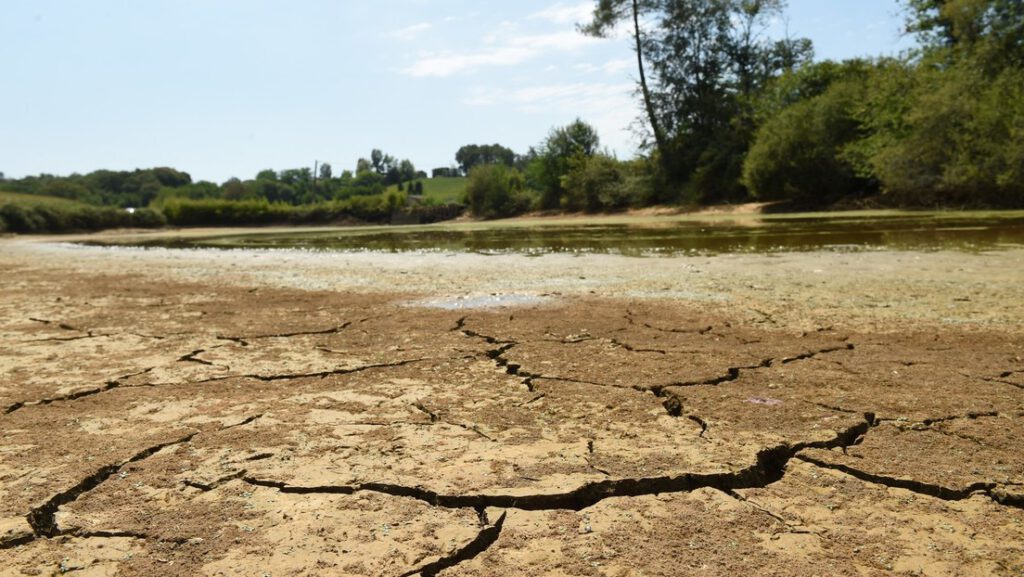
279 413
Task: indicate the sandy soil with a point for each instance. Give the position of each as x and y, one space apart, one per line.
284 413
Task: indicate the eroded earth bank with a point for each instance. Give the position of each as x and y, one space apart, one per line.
280 413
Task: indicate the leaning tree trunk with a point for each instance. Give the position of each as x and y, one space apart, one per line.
659 136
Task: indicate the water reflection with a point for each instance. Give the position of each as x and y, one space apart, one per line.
921 232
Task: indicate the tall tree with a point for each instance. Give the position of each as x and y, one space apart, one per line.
699 63
995 26
472 155
553 159
377 160
606 15
406 171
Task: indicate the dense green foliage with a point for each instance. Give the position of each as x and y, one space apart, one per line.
734 115
948 129
43 217
567 171
600 183
806 123
943 127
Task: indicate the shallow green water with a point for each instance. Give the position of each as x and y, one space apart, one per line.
965 231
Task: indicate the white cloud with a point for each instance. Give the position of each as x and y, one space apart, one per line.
576 95
568 40
411 32
584 97
618 65
613 67
516 50
442 65
562 14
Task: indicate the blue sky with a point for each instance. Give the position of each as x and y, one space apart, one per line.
223 88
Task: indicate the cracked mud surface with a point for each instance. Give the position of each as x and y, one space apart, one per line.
165 414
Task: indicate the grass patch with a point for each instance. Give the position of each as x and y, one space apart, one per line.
441 190
34 200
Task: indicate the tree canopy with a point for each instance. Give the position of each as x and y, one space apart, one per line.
472 155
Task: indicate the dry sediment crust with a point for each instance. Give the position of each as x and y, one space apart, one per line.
166 424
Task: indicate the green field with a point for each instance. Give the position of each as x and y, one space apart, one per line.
440 190
37 200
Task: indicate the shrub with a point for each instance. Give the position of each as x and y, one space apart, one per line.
957 141
21 219
495 191
220 212
592 183
53 218
798 154
148 218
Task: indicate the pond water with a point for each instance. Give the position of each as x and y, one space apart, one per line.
653 236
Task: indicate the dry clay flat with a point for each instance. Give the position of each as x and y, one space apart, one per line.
154 423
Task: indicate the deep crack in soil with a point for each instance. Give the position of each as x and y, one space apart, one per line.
43 518
487 537
769 468
109 386
920 487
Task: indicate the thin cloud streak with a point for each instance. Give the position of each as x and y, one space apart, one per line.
562 14
575 95
410 33
517 50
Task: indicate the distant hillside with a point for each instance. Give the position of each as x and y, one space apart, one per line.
33 200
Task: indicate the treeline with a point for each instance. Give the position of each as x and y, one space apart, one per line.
103 187
160 196
296 186
731 115
941 127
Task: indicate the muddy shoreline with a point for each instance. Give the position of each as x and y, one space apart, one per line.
876 290
292 413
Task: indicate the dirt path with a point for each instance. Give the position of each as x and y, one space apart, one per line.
284 413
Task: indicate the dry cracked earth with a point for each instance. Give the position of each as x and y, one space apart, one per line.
190 428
